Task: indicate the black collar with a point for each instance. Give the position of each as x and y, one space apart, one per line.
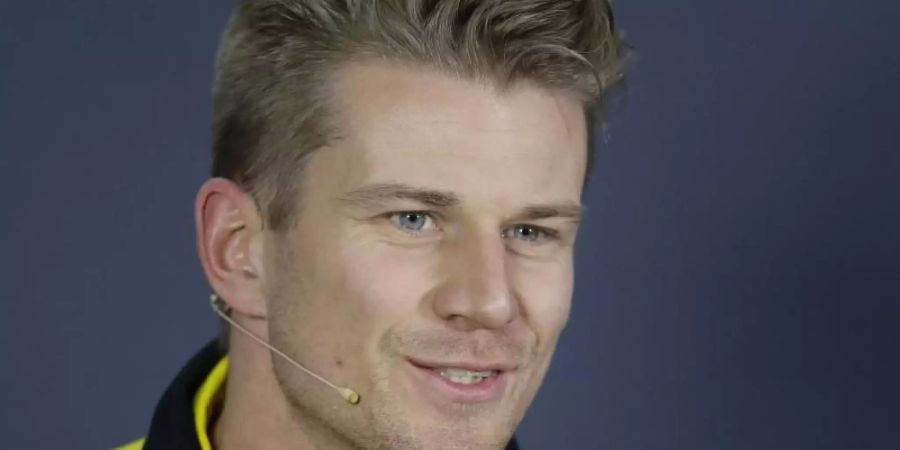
172 427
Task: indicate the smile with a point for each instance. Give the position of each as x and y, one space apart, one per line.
456 382
463 376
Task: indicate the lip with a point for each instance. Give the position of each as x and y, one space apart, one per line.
474 366
442 390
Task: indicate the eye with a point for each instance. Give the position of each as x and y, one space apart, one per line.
529 233
413 222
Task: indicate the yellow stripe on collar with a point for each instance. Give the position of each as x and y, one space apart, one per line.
203 401
135 445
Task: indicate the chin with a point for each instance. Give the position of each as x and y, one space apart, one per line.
451 439
458 430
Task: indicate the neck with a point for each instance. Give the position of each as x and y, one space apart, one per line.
255 413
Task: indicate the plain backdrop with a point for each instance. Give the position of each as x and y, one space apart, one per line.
737 277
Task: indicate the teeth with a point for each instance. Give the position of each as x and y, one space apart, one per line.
463 376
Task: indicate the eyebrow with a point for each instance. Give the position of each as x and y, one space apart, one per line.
377 194
572 211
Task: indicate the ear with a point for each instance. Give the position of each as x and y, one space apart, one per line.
229 241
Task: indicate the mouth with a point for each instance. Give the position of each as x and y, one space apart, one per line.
461 382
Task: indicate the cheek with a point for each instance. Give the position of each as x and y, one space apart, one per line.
386 282
545 290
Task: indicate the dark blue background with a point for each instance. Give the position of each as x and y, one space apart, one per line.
737 279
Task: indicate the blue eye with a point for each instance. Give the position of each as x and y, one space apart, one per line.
412 221
529 233
526 233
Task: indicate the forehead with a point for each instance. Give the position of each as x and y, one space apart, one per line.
402 124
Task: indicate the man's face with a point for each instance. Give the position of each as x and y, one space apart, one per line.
430 268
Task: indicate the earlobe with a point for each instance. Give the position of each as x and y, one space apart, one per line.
228 235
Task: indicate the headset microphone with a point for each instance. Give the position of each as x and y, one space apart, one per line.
224 311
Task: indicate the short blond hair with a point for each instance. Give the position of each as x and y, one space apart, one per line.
277 56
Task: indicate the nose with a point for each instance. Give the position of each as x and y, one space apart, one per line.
476 291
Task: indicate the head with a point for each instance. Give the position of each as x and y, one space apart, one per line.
396 196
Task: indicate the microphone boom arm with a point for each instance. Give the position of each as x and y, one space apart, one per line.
224 311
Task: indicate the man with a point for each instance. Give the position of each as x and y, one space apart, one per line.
390 227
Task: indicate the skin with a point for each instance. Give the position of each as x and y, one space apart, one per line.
439 227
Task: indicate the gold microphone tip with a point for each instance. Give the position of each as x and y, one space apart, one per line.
350 395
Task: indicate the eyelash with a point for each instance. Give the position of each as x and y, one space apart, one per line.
399 214
544 234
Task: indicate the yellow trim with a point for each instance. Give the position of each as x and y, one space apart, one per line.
136 445
203 401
